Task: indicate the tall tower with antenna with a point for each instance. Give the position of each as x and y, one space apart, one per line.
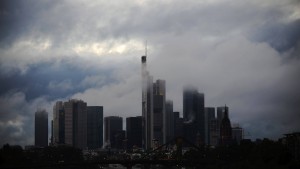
147 104
153 108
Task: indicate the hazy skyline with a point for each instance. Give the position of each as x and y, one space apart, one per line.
244 54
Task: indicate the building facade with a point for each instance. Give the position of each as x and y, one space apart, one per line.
178 131
76 123
113 125
153 109
214 132
58 123
134 131
170 121
147 105
41 128
193 115
70 123
94 127
225 129
159 115
209 116
237 134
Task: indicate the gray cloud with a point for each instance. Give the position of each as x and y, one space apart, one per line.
234 51
17 117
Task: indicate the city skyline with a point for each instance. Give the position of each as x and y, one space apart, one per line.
244 55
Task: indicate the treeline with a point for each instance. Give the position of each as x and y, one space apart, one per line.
15 156
247 155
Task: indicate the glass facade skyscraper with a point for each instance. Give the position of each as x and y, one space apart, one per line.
41 128
94 127
193 115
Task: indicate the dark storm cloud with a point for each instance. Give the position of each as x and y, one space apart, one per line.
54 81
281 36
18 17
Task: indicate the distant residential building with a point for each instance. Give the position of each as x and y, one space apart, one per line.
94 127
113 125
134 131
41 128
193 115
209 115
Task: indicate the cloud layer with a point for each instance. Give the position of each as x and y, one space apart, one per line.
243 54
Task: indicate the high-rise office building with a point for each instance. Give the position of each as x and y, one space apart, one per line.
119 138
178 131
147 105
170 121
51 138
41 128
134 131
193 115
225 129
209 115
214 132
76 123
220 115
237 133
153 108
113 126
159 100
94 127
70 123
58 123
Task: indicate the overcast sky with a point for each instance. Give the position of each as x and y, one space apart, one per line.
244 54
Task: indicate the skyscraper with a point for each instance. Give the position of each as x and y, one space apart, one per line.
134 131
153 108
220 115
159 100
209 115
58 123
214 132
170 121
178 131
193 115
94 127
147 105
113 126
41 128
225 129
70 123
76 123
